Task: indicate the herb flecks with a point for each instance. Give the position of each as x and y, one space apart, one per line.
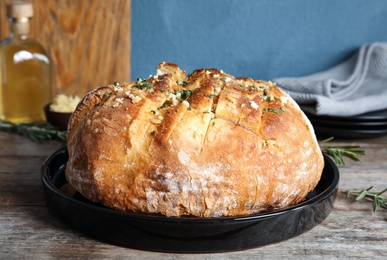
272 110
165 105
185 94
144 86
376 197
106 95
182 83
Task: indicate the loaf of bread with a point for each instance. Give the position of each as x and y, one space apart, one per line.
205 144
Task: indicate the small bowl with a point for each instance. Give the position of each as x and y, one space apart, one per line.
58 119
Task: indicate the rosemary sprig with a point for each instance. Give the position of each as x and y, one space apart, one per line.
37 132
379 201
338 152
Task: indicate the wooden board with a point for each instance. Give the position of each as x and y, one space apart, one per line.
88 41
27 229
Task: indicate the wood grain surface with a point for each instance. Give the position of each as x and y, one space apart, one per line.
88 41
28 231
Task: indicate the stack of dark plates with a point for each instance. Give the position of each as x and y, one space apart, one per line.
369 125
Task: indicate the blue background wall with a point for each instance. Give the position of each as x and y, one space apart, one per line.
262 39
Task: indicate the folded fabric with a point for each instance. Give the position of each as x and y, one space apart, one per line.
355 86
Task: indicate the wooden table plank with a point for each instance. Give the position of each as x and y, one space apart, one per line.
12 145
349 235
27 230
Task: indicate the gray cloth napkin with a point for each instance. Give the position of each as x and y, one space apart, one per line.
355 86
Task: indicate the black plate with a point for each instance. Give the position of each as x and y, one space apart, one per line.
376 116
369 125
348 133
186 234
349 124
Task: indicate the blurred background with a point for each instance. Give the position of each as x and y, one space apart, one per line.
88 41
95 42
262 39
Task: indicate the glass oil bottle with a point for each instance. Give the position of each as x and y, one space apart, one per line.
25 70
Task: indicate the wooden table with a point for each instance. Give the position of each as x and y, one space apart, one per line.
27 230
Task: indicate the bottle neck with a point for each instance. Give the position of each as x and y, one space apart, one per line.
20 28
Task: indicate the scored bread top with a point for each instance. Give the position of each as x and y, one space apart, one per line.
205 145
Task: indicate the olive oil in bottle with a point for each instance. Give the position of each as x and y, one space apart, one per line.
25 70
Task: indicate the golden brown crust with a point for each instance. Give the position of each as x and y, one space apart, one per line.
206 145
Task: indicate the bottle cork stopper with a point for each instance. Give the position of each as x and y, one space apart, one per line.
20 9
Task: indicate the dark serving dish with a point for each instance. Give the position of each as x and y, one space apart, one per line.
186 234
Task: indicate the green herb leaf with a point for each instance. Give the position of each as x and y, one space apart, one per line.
362 195
338 152
105 95
37 132
378 200
144 86
225 79
265 110
185 94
